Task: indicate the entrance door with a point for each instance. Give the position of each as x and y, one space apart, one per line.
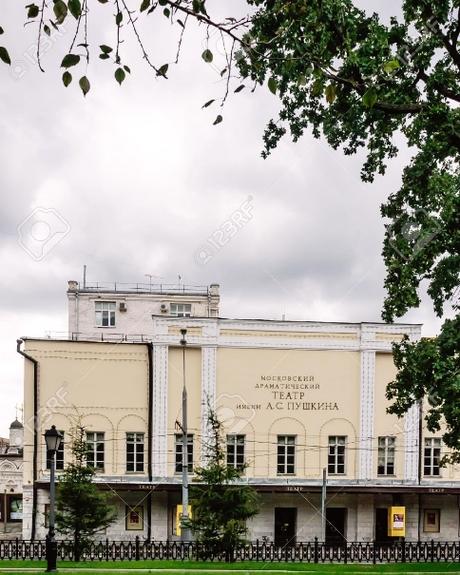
336 522
285 526
381 526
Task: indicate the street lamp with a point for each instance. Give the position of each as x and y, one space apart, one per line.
185 530
53 440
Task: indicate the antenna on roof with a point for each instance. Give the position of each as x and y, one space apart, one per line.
84 276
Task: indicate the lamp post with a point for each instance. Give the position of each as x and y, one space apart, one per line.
185 530
53 440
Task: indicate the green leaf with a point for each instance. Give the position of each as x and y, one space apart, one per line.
331 93
105 49
272 85
103 1
120 75
66 78
70 60
240 87
127 68
145 4
317 88
1 30
218 120
84 85
60 11
119 18
46 30
207 56
162 70
4 56
33 11
167 12
302 80
75 8
370 97
391 66
104 56
208 103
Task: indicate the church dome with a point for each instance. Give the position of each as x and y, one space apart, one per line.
16 425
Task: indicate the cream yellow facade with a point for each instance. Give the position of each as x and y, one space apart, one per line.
295 398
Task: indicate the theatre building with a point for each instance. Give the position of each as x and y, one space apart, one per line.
295 398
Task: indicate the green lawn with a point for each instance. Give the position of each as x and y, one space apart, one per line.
248 568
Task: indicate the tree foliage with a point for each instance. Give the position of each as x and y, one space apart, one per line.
82 510
362 84
221 504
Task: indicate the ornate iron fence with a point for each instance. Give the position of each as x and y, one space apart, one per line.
307 552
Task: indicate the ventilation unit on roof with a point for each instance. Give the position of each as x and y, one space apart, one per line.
164 308
122 306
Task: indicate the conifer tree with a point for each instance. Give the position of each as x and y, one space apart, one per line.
82 509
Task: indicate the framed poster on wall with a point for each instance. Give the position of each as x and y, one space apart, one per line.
134 518
431 520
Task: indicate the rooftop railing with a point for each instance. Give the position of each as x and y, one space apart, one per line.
157 288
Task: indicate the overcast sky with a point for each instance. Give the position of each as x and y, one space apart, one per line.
137 179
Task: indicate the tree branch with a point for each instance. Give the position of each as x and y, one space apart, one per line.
382 106
440 88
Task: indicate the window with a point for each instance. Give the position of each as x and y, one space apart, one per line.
105 313
134 452
386 456
431 456
181 309
15 508
286 455
95 449
59 455
336 455
235 451
179 445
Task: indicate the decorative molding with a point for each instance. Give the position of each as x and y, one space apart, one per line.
411 447
266 334
160 410
365 469
208 393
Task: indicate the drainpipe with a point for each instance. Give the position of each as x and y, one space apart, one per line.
420 462
149 438
35 445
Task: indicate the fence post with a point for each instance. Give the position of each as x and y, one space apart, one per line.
316 550
107 549
137 548
345 557
374 558
257 550
403 550
17 548
432 550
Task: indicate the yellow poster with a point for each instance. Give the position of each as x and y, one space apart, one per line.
397 521
179 518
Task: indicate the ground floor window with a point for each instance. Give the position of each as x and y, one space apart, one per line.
14 508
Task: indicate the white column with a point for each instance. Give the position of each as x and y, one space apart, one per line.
366 414
208 392
160 411
411 447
